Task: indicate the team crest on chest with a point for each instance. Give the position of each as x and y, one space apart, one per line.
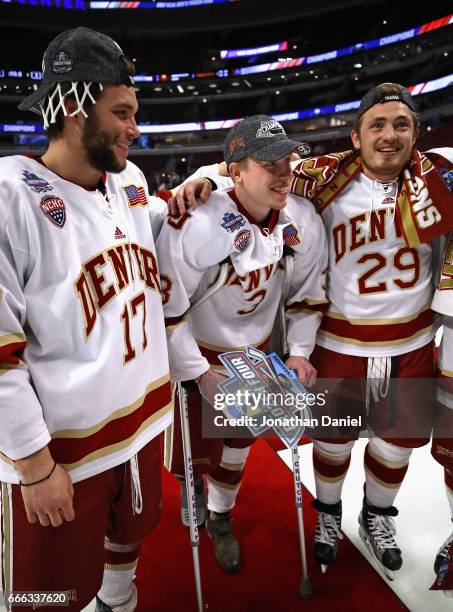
54 209
232 222
291 235
36 184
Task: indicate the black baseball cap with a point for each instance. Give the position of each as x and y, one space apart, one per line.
260 137
81 55
394 93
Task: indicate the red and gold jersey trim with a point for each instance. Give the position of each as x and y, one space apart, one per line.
75 447
383 334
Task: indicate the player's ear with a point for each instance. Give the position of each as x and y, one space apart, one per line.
235 171
355 139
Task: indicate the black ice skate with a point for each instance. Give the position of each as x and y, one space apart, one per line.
328 532
442 560
377 530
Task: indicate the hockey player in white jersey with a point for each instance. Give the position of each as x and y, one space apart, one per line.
381 206
249 224
84 381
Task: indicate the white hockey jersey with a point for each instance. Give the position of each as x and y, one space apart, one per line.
379 289
242 312
83 358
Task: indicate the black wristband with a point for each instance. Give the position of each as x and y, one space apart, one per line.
30 484
211 182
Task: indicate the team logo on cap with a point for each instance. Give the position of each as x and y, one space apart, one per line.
241 241
36 184
232 222
237 142
270 128
61 63
291 235
54 209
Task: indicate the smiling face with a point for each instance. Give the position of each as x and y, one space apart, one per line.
110 128
385 138
261 185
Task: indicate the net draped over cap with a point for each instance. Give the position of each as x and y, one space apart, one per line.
80 55
260 137
398 93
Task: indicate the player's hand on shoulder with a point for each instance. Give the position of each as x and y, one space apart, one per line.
189 193
305 371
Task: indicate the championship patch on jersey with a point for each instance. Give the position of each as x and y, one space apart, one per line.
54 209
241 241
36 184
136 196
232 222
291 235
447 176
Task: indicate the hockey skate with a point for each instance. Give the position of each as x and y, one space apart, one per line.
442 559
200 502
377 530
328 532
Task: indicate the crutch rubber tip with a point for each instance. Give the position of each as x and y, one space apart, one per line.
305 590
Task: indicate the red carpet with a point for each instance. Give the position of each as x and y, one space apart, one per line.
265 522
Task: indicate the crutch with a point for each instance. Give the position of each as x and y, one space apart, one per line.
190 488
305 589
187 449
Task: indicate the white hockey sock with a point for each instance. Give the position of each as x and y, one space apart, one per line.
330 462
385 467
225 481
118 589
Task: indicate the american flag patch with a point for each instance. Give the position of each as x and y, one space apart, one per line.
291 235
136 196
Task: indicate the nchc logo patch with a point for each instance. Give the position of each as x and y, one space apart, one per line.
54 209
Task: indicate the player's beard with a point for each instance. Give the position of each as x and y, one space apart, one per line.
98 145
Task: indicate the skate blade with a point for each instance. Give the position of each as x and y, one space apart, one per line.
389 574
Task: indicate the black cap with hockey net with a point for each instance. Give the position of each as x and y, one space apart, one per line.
385 92
80 55
260 137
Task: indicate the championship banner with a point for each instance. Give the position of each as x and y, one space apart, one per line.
263 394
